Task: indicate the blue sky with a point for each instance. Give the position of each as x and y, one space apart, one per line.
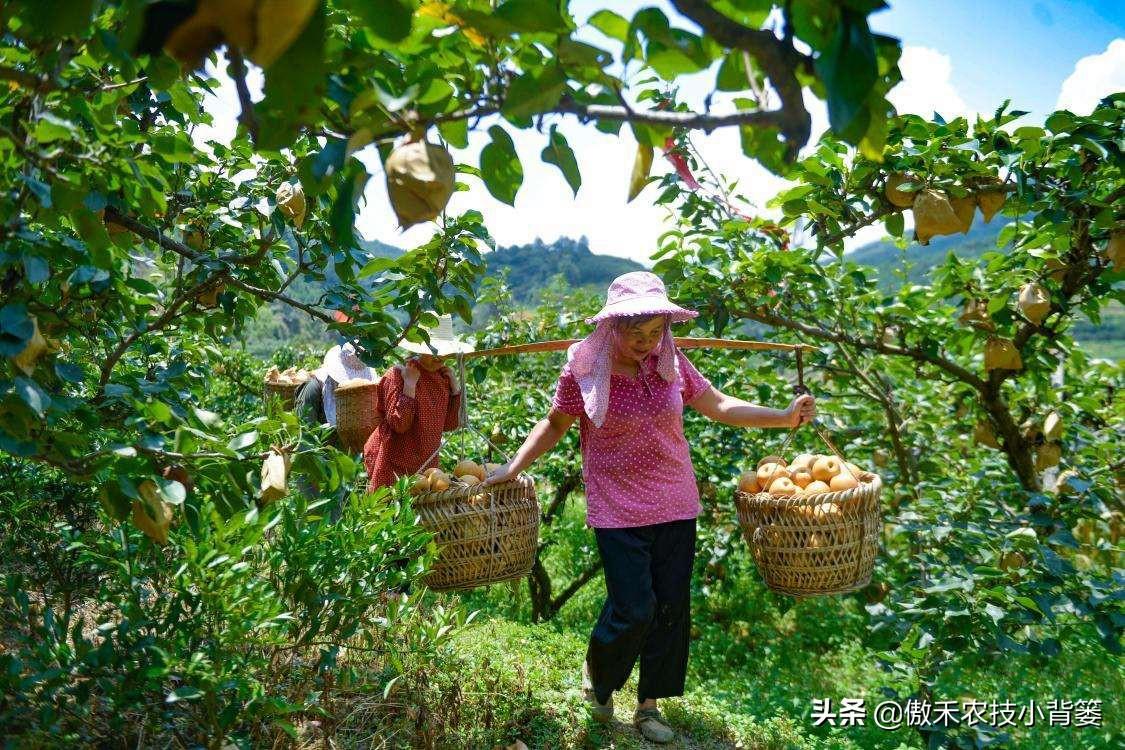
1020 49
959 58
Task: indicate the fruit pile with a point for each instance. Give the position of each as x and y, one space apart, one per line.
351 383
465 474
807 474
288 377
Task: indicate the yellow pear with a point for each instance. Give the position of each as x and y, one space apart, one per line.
991 201
773 460
466 466
1034 302
1115 251
983 435
803 462
1001 354
897 197
816 487
843 481
825 468
963 209
420 180
783 486
771 471
151 514
802 478
291 200
748 483
36 346
275 476
1053 426
933 216
1047 455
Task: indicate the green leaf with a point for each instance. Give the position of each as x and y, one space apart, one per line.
32 395
51 128
732 73
895 224
456 132
559 153
55 19
611 24
849 70
500 166
243 441
533 92
389 19
532 15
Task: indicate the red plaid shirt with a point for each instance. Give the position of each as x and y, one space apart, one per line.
411 428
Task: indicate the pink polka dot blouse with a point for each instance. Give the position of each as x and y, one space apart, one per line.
637 465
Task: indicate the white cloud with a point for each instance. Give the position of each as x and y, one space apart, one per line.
1094 77
927 85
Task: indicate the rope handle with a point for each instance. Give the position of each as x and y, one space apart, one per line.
799 389
463 419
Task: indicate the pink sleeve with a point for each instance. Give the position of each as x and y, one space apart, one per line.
568 396
694 384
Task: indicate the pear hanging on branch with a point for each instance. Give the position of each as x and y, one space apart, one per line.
35 348
1034 302
1053 426
897 197
963 209
983 435
151 514
290 198
1001 354
1047 455
262 29
420 181
975 314
275 475
933 216
1115 251
990 202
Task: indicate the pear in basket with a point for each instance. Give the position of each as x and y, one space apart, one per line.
783 486
421 484
843 481
803 462
802 478
816 487
825 468
469 468
769 472
748 483
439 481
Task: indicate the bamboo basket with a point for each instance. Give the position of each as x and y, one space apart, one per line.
285 392
803 551
484 535
357 415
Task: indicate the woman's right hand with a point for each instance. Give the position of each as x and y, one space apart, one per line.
410 375
502 473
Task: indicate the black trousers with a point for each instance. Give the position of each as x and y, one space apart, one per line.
647 612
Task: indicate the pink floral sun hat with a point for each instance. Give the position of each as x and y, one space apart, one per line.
640 293
591 359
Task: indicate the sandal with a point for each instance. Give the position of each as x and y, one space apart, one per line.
652 725
600 712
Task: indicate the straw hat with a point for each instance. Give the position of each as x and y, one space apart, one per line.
442 340
640 293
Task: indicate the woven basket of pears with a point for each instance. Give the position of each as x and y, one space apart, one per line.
812 524
284 385
484 534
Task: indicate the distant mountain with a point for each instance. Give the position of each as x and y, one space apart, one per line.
531 266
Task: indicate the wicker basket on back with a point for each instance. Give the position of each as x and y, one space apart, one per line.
484 534
357 413
814 544
284 392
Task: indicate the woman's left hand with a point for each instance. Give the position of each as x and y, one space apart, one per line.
454 386
801 411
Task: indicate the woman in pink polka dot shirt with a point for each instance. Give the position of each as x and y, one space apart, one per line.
627 384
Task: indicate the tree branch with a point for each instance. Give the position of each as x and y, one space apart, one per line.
778 59
564 596
237 70
763 316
